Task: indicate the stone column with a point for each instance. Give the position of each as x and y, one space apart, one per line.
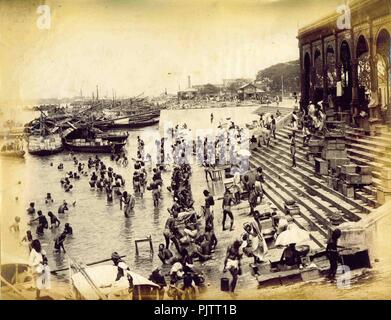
312 75
374 104
354 73
354 102
303 103
324 74
337 70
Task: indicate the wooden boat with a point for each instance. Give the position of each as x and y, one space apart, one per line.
44 141
143 123
98 282
113 136
132 120
88 132
44 145
12 149
13 153
17 281
96 145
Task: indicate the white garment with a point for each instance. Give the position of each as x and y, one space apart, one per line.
41 271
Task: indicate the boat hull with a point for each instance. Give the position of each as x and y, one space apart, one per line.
134 124
13 154
114 137
94 148
43 146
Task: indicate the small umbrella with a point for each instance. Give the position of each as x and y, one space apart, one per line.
293 234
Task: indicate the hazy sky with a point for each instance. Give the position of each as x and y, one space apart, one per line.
145 45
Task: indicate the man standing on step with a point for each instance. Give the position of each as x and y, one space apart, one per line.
228 201
273 126
293 149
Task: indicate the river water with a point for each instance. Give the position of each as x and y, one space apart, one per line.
100 228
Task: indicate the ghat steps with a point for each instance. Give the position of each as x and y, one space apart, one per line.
316 200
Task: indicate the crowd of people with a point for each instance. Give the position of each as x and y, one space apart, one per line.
189 238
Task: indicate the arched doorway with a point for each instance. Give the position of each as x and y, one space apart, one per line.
383 67
318 76
307 75
331 71
364 73
346 75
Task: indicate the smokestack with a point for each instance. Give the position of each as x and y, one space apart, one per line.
93 97
97 93
188 82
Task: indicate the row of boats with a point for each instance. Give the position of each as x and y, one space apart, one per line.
50 135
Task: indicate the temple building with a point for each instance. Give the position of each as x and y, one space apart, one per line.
345 62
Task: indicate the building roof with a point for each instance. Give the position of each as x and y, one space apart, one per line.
257 87
331 18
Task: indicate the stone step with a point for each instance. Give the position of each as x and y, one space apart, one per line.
282 136
325 200
309 168
381 138
375 151
370 190
385 134
369 199
314 216
305 220
369 156
382 146
301 160
305 172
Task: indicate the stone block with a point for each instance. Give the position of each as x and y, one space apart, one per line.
315 149
348 190
353 178
321 166
365 170
333 163
315 143
348 168
333 154
366 179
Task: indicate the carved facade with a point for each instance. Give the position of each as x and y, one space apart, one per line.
350 64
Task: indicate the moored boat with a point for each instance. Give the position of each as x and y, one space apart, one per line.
44 145
98 282
96 145
113 136
12 149
44 141
17 281
12 153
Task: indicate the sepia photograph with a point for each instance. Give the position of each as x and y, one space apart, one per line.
195 150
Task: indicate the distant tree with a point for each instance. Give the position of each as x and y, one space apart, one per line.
290 72
234 87
209 89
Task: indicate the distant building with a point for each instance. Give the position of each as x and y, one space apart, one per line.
250 91
187 94
239 82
